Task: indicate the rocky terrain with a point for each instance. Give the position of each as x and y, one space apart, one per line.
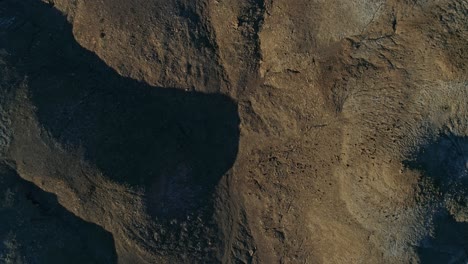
225 131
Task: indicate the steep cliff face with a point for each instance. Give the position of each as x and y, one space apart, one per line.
234 131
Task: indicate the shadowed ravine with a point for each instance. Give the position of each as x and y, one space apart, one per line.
178 142
173 145
37 229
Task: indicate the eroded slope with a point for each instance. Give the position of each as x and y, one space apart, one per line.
245 131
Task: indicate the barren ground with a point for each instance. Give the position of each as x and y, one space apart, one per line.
225 131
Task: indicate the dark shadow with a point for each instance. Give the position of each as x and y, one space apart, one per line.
35 228
448 244
444 162
174 144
